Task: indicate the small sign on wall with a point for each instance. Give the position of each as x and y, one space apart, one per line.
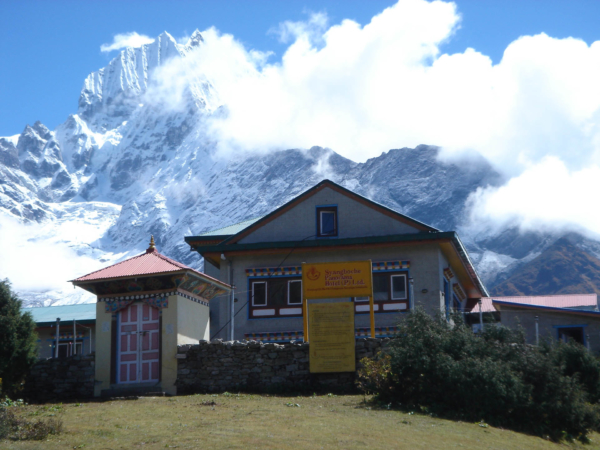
332 342
169 328
105 327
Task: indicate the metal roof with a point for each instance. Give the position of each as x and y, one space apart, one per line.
230 230
48 314
554 301
486 306
147 263
573 311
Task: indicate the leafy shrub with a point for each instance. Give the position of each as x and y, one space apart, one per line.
375 375
18 352
549 390
16 428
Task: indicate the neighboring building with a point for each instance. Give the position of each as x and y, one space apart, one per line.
146 306
478 312
413 264
84 317
557 316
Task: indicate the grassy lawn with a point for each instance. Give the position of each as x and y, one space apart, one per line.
228 421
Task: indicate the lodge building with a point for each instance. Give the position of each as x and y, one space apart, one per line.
413 264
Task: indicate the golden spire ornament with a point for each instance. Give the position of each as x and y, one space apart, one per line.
152 247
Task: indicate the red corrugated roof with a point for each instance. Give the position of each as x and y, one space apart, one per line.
554 301
148 263
486 305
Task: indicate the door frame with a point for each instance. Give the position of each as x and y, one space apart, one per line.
115 347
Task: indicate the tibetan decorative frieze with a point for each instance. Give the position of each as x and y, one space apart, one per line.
116 304
390 265
459 291
125 286
448 274
274 271
199 287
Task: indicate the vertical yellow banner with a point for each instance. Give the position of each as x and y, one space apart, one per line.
332 341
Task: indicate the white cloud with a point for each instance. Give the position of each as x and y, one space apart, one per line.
124 40
545 197
361 90
313 29
37 258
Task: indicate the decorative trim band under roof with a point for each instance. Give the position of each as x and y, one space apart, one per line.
274 271
297 270
141 297
448 274
459 291
390 265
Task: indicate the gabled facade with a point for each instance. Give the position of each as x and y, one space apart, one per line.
413 264
146 306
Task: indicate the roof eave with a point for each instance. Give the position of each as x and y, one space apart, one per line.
469 264
548 308
324 243
208 278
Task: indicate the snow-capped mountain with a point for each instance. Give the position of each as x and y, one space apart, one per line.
137 160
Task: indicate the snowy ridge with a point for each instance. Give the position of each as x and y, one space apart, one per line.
126 166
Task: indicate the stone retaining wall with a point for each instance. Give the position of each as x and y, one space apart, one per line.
254 366
60 379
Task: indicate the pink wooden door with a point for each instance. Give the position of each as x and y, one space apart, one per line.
138 344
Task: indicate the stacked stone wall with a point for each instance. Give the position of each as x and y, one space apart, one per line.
218 366
61 379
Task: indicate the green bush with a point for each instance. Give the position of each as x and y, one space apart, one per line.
18 352
551 390
19 429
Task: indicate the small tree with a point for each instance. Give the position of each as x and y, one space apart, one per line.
18 347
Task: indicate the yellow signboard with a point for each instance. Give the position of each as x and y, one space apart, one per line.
332 344
336 280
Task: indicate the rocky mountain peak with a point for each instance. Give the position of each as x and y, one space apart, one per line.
110 95
195 40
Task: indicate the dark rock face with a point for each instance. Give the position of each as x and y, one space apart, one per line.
9 154
61 180
562 268
124 173
419 185
30 142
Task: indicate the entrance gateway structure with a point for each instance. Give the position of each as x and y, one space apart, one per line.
147 306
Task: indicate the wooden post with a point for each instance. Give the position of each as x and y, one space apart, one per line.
74 352
372 313
57 336
305 317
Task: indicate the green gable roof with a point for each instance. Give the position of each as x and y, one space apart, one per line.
232 229
48 314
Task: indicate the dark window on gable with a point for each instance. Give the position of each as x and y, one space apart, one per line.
327 223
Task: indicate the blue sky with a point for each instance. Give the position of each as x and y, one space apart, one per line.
49 47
